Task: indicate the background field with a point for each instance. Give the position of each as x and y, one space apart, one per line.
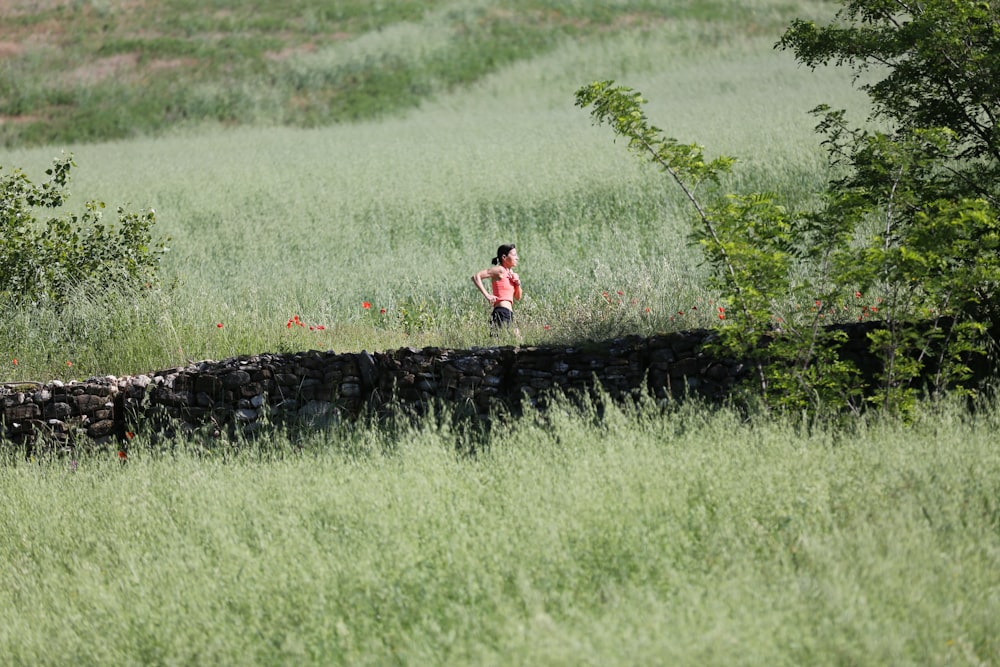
270 222
297 175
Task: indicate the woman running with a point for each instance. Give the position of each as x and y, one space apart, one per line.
505 284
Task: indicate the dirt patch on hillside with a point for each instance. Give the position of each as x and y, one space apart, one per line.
21 7
102 68
161 64
9 49
18 120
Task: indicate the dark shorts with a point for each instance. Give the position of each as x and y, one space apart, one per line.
501 317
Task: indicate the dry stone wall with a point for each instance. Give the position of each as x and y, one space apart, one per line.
243 394
246 394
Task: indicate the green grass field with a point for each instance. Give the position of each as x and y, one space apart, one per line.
687 537
270 222
311 183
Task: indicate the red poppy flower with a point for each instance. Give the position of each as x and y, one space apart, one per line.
381 311
218 325
365 305
15 362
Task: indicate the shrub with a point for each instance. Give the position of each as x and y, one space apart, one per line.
45 262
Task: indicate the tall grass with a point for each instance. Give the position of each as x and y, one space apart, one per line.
619 536
269 223
640 537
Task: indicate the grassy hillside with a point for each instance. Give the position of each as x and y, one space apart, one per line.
306 158
86 71
267 223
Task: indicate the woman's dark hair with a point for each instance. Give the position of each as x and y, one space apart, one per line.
502 252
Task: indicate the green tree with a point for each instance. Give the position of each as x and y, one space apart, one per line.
932 64
753 245
47 262
907 236
917 198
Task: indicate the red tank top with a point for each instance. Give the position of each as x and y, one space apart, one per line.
503 289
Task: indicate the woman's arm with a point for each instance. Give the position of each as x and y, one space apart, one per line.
491 273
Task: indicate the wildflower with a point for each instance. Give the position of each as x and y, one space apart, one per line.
680 312
218 325
15 362
69 363
366 305
621 293
129 435
320 327
648 309
122 456
546 327
381 311
857 295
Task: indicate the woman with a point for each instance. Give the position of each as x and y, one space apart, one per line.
505 284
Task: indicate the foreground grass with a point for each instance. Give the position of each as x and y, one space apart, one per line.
684 538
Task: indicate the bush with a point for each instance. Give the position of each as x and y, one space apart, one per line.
44 263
